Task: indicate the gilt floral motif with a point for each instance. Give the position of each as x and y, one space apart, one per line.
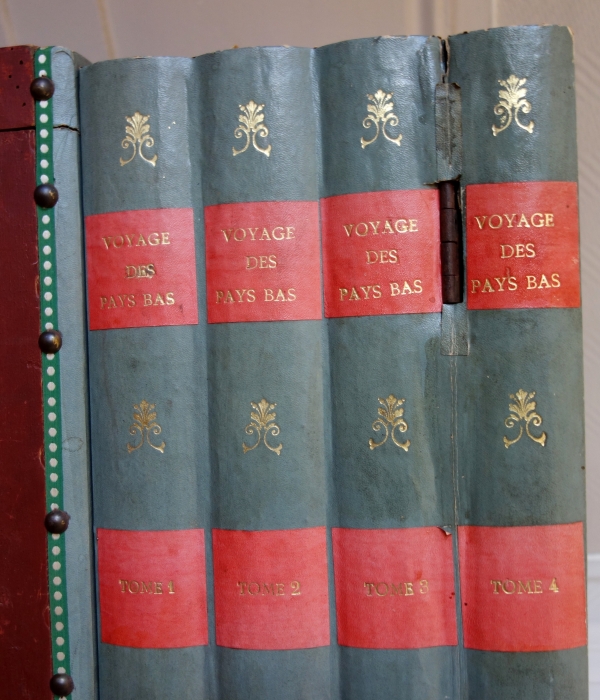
391 421
523 413
144 423
250 127
262 423
138 137
381 116
512 101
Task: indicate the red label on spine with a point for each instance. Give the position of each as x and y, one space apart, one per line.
522 246
271 588
394 588
152 588
141 268
523 588
262 262
381 253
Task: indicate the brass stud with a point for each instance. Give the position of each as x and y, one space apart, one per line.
45 196
61 684
56 522
50 341
41 89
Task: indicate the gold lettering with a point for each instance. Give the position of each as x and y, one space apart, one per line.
497 218
554 586
496 585
540 220
123 585
408 589
385 589
481 221
544 284
537 587
523 588
423 586
505 586
158 588
523 221
296 588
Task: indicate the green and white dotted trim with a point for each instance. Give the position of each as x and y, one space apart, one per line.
57 573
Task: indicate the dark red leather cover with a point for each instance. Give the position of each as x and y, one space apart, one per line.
271 589
522 245
523 588
263 262
141 268
381 253
394 588
16 74
25 652
152 588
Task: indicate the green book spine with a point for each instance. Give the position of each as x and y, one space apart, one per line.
267 374
393 516
148 386
519 418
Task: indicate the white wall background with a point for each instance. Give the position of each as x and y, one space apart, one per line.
101 29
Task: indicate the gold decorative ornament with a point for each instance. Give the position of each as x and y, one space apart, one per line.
251 125
262 418
144 417
390 420
137 138
523 411
512 101
380 116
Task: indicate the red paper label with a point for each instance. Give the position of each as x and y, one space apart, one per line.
394 588
141 268
522 246
381 253
262 262
152 588
271 588
523 588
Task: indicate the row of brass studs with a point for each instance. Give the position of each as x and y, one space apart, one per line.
50 342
